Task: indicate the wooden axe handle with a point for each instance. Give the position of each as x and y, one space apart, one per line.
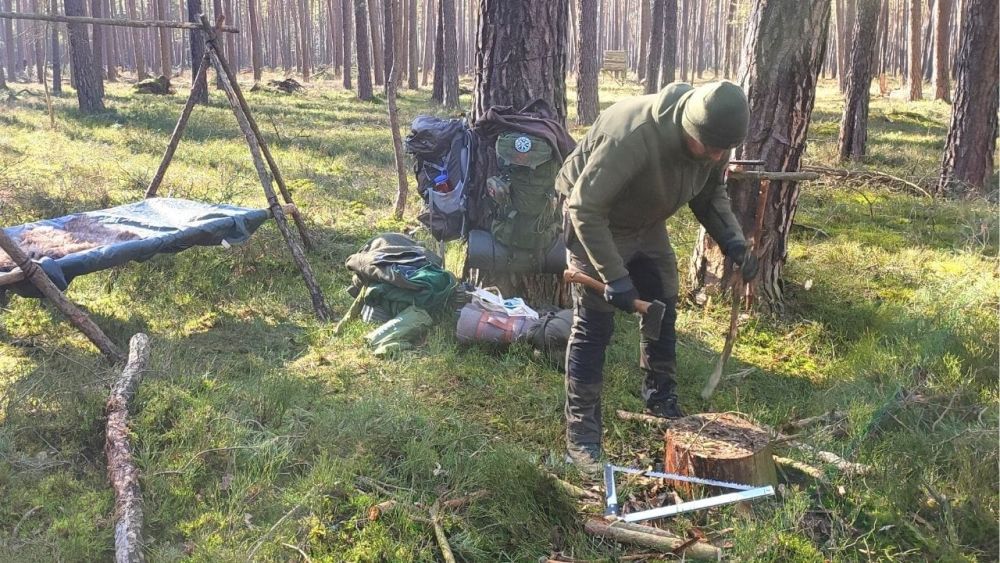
576 276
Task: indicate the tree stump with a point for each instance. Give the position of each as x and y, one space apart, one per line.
719 446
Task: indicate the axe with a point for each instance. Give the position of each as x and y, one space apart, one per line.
652 311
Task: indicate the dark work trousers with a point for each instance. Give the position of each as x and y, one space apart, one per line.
652 266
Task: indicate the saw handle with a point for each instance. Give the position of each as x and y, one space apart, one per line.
576 276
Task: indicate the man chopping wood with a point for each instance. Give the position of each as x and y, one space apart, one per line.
639 163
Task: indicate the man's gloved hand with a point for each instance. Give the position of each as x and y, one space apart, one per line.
745 260
622 294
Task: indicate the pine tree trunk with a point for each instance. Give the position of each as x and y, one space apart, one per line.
783 53
166 55
305 39
255 41
199 90
916 70
656 37
429 26
449 70
412 78
854 123
364 60
89 89
232 53
942 84
140 61
347 20
521 57
375 29
587 106
437 90
645 26
56 57
389 37
927 43
668 60
972 136
698 37
112 43
732 50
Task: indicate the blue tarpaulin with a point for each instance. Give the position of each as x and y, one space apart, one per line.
149 227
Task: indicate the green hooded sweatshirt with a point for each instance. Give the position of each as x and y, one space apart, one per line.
632 171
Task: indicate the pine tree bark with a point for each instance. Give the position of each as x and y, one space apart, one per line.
348 27
449 57
656 37
731 39
587 106
437 90
199 88
854 123
645 26
97 38
783 53
942 83
972 136
668 59
111 40
916 68
89 88
364 60
256 51
521 57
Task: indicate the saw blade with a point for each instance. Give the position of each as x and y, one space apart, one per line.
685 478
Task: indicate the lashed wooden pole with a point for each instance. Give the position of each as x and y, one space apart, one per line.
175 137
651 538
253 142
108 21
220 61
74 314
122 472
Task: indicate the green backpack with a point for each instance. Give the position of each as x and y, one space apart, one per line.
526 211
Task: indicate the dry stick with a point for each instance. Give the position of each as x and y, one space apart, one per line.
377 510
875 175
242 102
108 21
765 175
738 284
319 305
461 502
175 137
397 145
442 539
122 472
830 417
11 277
639 417
659 541
804 468
74 314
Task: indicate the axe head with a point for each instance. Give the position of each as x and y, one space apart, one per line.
651 320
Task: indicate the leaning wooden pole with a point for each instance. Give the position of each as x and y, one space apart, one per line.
241 100
122 472
319 304
175 137
74 314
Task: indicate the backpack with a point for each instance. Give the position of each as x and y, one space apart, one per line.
441 148
525 208
550 336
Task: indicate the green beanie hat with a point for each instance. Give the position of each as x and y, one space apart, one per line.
717 114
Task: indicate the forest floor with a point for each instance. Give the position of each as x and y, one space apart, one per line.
255 422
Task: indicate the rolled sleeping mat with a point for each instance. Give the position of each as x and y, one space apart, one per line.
487 253
476 324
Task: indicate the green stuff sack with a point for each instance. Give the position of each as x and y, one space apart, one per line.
525 217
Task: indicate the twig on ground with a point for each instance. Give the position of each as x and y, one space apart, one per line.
296 548
439 534
17 527
653 538
639 417
271 530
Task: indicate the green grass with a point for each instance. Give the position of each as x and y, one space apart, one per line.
255 422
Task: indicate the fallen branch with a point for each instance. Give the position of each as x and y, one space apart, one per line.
869 175
377 510
122 472
439 534
652 538
775 176
831 417
842 465
460 502
803 468
639 417
571 489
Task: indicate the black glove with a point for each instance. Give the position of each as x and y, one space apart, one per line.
745 260
622 294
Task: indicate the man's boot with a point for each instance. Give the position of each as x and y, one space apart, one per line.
659 390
